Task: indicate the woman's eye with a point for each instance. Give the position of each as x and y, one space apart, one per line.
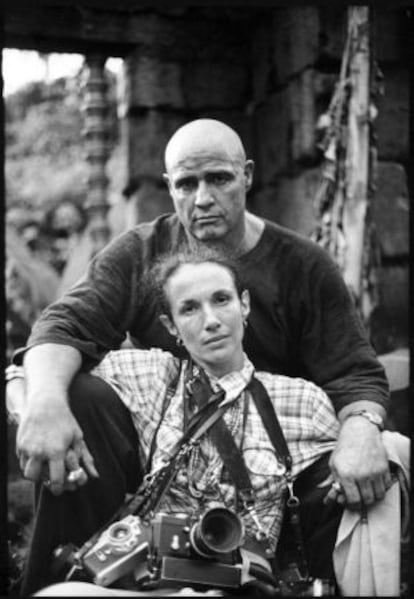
222 299
188 309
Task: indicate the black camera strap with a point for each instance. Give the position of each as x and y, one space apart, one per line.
231 455
208 417
199 389
148 496
272 425
201 422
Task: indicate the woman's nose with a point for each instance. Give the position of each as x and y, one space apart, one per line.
210 318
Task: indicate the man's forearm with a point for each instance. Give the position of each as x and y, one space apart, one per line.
49 440
50 365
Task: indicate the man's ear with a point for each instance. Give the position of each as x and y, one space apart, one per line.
169 325
167 180
245 303
248 173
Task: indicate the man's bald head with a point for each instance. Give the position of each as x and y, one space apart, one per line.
204 137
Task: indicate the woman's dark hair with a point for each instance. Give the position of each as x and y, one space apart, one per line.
168 264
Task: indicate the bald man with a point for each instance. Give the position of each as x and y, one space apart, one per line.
302 324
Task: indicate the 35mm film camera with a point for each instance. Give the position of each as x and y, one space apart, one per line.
180 551
169 550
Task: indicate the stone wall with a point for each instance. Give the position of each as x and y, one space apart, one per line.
391 201
269 73
195 64
297 56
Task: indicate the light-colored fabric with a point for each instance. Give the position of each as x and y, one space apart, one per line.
142 379
367 551
86 589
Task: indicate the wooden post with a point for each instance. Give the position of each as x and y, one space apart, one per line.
344 194
95 132
357 149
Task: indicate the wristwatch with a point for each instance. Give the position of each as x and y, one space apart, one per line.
373 417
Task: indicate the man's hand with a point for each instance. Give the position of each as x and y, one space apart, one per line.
50 446
49 442
359 463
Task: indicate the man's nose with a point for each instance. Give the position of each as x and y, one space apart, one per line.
203 195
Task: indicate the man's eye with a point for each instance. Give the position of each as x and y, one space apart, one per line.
185 185
219 179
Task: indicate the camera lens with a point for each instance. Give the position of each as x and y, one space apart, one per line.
119 533
218 531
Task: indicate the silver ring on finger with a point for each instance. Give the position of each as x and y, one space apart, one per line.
336 486
75 475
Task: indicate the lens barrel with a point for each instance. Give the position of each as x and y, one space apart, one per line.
219 530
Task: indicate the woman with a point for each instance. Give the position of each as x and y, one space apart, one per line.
204 305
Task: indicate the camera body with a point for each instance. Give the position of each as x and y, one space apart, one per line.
201 553
121 548
180 551
215 535
170 550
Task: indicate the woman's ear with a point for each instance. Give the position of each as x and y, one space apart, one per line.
169 325
245 303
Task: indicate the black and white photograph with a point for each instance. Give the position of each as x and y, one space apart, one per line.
206 323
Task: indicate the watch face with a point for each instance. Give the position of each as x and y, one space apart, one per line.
377 419
374 418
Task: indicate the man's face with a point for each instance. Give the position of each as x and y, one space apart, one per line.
208 189
207 314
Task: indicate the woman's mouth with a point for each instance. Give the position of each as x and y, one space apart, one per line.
216 339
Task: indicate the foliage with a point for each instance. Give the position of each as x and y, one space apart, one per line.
45 161
45 170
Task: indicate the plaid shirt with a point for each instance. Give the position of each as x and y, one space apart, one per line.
144 378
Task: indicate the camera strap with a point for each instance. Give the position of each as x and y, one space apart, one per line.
271 423
148 496
198 387
209 413
232 457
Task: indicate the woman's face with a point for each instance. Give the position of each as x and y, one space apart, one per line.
207 314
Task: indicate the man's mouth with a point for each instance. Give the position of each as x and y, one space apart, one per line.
206 220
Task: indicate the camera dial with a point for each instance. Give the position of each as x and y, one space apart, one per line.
123 535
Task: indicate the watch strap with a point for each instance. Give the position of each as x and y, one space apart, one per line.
373 417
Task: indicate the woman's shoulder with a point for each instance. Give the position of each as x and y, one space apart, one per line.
288 385
153 361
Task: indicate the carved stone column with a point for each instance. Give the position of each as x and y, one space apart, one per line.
97 148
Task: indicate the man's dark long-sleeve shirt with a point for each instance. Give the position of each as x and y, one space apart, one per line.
302 321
